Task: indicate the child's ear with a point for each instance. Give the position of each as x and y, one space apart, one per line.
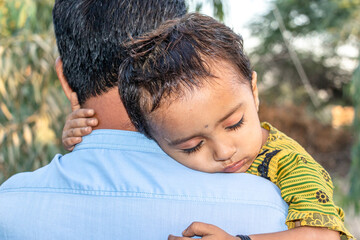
255 90
64 83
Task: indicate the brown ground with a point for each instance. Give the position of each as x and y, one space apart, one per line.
329 146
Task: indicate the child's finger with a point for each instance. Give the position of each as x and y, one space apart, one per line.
74 101
69 143
172 237
198 229
81 113
81 122
76 132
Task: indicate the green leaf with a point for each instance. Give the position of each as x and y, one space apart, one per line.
22 17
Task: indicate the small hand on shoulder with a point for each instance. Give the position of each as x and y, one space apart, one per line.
206 231
211 232
79 123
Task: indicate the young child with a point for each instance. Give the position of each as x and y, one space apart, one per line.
189 86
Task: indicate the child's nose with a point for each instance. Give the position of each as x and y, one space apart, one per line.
224 152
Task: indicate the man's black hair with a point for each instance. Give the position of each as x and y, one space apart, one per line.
174 58
90 33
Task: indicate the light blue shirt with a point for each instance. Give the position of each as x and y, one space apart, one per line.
120 185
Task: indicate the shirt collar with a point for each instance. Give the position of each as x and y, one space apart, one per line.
118 139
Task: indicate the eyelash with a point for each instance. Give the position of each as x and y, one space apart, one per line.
197 147
194 149
237 125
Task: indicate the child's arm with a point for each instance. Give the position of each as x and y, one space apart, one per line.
211 232
79 123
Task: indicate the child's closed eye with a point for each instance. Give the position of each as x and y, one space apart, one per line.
237 125
193 149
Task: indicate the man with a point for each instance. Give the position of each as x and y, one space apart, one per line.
117 184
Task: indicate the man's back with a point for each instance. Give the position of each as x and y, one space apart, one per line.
120 185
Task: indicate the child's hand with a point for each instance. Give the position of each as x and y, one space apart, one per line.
206 231
79 123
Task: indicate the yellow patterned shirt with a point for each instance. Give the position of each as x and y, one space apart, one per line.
304 184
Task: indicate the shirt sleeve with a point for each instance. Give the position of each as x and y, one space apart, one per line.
308 190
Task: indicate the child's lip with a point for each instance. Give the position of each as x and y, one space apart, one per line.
234 167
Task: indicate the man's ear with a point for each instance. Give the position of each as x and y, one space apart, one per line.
64 83
255 90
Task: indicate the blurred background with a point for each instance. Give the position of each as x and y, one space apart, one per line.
306 54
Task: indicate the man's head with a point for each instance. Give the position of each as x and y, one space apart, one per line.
90 34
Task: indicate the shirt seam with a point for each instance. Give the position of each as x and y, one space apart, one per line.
121 147
177 197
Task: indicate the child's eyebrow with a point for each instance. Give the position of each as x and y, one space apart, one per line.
231 112
181 140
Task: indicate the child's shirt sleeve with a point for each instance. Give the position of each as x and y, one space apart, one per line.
304 183
308 189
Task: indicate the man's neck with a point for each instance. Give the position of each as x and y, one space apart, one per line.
110 111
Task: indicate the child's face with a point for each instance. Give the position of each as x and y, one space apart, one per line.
215 128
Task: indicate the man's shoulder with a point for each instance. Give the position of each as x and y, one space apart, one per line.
28 180
133 182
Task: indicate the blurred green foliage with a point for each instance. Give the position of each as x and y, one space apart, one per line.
217 7
32 105
326 26
354 192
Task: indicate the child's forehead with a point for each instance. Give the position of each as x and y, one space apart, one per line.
225 78
223 73
216 96
224 70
